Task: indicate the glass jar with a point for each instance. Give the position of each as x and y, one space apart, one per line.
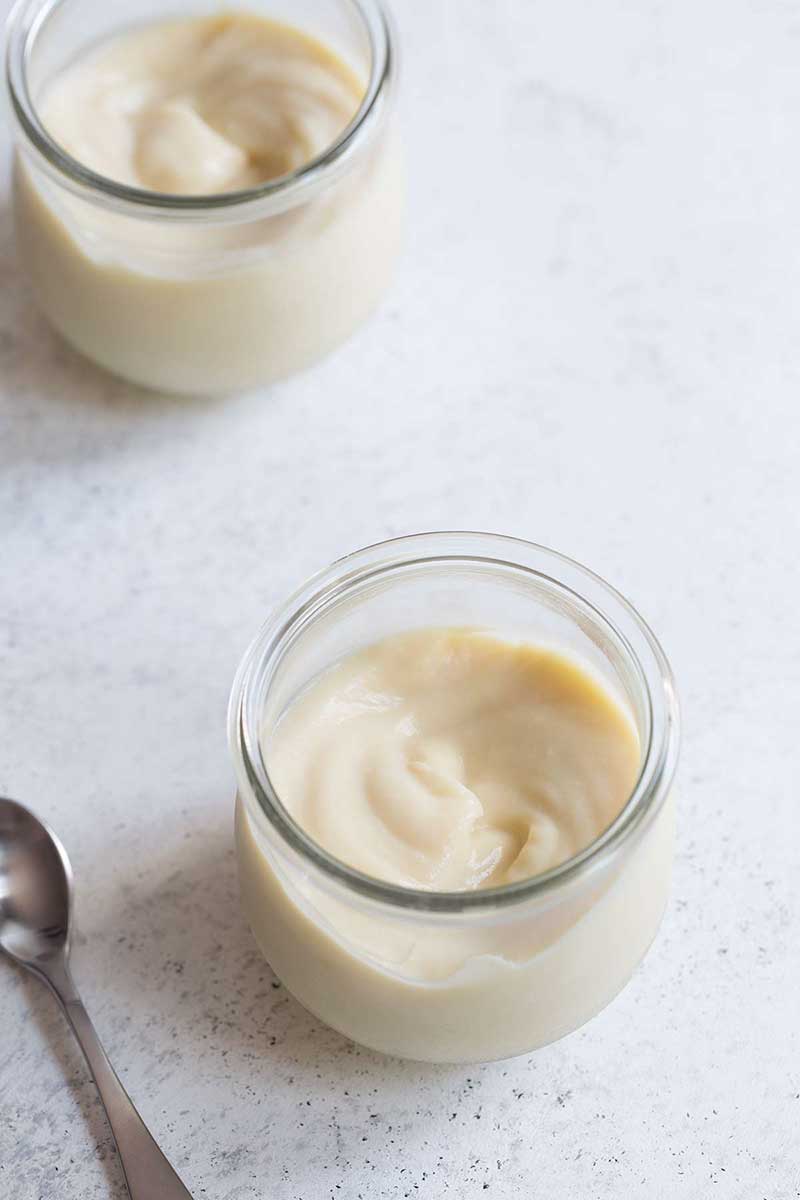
206 294
460 976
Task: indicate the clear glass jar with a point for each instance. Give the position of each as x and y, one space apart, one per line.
461 976
206 294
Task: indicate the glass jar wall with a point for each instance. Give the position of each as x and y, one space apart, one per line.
207 294
462 976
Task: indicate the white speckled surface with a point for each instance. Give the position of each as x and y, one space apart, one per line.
593 343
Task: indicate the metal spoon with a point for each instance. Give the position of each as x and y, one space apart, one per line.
35 910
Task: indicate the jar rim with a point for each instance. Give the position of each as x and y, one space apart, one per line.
28 18
660 754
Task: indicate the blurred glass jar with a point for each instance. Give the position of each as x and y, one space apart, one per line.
207 294
461 976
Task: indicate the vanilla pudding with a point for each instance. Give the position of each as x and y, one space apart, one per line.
454 842
206 203
454 759
194 107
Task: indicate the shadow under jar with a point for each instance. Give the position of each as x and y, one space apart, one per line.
206 293
454 976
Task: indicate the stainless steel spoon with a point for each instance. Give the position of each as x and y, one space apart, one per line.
35 911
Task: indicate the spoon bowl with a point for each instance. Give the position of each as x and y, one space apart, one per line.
35 888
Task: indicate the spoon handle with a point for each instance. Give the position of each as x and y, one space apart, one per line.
148 1174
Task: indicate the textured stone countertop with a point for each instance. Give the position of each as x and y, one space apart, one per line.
594 343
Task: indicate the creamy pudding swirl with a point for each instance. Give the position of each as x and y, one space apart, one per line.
202 106
454 759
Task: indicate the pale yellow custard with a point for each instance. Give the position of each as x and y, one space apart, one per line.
454 759
201 106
